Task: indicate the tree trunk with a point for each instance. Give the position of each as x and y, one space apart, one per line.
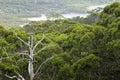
30 69
30 66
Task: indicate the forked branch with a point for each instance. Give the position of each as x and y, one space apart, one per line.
42 49
43 64
22 40
38 42
11 77
25 54
22 78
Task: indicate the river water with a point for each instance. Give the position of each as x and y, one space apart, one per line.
70 15
43 17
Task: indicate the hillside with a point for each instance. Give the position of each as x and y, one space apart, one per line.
13 10
47 6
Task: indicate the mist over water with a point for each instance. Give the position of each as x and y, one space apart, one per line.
69 15
43 17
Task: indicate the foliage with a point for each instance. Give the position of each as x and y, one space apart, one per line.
81 51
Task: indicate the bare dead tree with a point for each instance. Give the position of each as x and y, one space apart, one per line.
31 54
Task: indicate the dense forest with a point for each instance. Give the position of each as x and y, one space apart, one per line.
63 49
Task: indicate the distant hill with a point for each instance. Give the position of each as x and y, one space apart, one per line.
46 6
12 9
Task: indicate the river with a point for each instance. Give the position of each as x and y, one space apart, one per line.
43 17
70 15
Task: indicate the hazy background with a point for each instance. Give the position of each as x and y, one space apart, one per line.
12 12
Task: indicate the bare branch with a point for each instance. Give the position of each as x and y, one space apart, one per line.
42 49
38 42
6 52
43 64
25 54
11 77
22 40
6 55
20 75
32 41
